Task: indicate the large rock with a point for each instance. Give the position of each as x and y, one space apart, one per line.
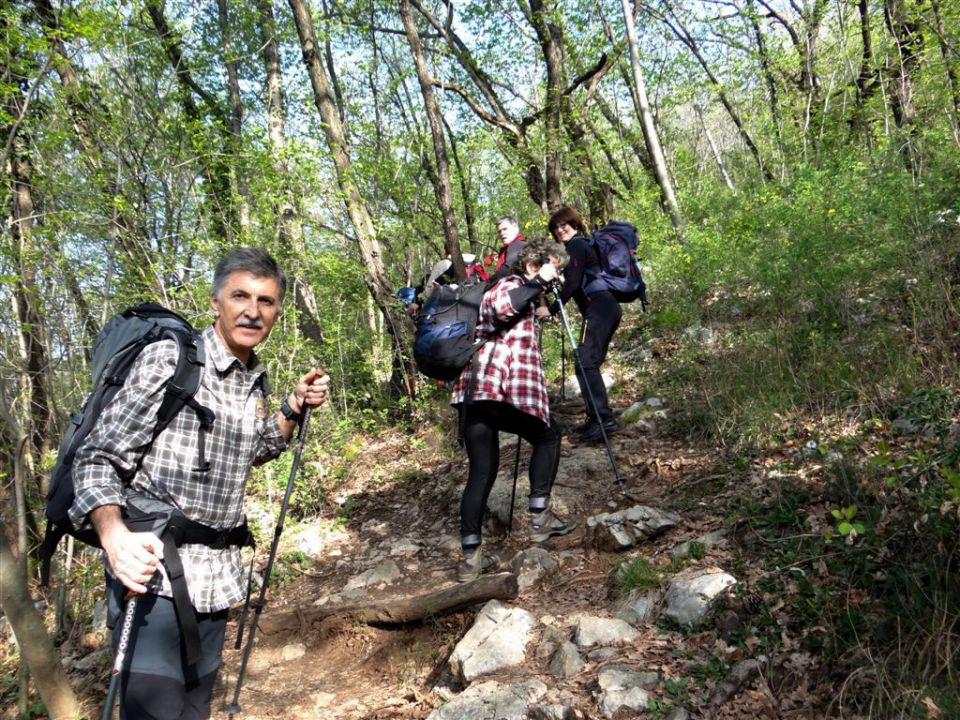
622 687
625 528
592 630
690 599
383 574
566 661
638 606
492 701
497 640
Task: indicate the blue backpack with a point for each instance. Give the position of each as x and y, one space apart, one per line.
445 339
619 271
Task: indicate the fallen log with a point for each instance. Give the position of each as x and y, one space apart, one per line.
396 610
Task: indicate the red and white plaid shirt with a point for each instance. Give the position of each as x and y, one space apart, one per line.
508 365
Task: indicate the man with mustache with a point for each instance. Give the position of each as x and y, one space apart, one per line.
200 473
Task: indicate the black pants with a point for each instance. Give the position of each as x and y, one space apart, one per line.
483 424
156 683
601 318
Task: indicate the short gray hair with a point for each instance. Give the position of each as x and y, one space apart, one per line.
508 218
256 261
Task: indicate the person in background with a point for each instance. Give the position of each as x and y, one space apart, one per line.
601 316
511 242
504 390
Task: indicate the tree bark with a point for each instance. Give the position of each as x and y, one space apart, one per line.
36 648
441 184
376 277
649 128
406 609
235 116
128 229
286 208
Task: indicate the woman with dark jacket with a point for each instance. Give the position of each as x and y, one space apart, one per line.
601 317
504 390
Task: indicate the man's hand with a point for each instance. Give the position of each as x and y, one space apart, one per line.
543 312
311 389
548 272
133 557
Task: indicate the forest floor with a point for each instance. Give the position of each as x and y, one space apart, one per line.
341 668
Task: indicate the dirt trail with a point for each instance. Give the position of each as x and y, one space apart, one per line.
339 669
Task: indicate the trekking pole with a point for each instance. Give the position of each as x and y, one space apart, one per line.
563 366
125 630
234 706
513 493
575 349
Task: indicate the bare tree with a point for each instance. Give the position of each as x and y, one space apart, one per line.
442 180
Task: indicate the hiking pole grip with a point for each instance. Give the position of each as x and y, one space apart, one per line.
125 630
233 707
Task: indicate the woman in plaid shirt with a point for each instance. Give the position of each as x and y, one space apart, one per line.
504 390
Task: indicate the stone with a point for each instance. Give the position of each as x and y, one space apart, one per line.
621 687
383 574
497 640
625 528
593 630
638 606
566 661
293 652
492 700
531 566
715 538
690 599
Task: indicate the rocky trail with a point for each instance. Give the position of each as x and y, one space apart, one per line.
558 643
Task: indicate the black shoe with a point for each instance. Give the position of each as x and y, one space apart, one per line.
593 432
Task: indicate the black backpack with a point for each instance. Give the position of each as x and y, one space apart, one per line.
619 272
445 339
115 349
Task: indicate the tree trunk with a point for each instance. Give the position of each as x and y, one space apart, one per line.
289 225
441 185
718 158
235 116
376 278
949 57
681 33
36 648
549 34
126 226
649 128
219 196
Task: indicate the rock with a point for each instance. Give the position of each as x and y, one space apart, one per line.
715 538
678 714
492 700
603 654
620 688
532 565
906 426
638 606
497 640
293 652
690 599
571 387
553 712
625 528
384 573
566 661
402 547
592 630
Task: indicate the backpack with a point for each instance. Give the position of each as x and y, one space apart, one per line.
444 342
619 272
115 350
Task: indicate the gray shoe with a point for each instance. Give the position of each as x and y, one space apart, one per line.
474 563
546 525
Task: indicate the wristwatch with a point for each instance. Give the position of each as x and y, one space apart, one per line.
289 413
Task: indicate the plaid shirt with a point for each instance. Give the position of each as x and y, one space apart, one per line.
244 434
508 366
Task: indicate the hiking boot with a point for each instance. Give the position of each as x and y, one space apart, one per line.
593 432
474 563
546 525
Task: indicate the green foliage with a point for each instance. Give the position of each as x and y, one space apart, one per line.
634 574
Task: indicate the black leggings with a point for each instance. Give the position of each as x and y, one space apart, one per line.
600 321
484 421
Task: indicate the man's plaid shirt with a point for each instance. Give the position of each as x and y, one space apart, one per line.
244 434
508 366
